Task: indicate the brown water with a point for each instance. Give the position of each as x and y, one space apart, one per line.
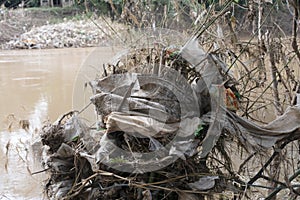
37 85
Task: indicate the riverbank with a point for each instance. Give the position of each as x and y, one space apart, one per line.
44 29
41 28
82 33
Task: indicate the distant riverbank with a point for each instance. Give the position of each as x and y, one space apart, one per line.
27 29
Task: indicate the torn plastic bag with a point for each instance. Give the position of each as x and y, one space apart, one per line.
218 116
155 145
184 148
59 189
106 103
74 128
211 80
204 183
266 136
65 151
91 140
202 62
61 165
164 93
143 125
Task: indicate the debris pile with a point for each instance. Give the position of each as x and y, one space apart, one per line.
83 33
161 116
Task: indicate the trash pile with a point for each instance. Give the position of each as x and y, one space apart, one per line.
82 33
160 112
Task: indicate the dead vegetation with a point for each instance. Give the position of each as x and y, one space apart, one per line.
213 117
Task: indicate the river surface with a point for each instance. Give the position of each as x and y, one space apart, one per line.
38 85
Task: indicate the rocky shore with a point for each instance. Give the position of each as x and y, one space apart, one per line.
82 33
53 28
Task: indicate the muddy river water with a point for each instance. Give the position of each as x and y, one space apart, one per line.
38 85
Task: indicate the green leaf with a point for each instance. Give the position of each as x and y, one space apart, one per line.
75 139
237 95
198 130
101 129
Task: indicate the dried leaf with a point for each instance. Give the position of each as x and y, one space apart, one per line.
6 155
